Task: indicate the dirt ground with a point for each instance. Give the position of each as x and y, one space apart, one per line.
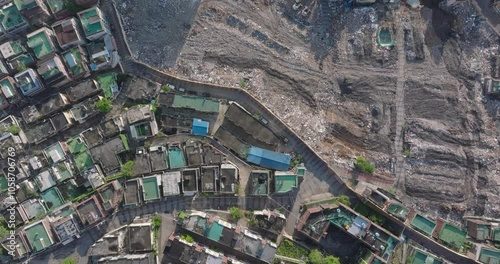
319 68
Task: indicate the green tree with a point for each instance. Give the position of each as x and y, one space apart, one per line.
235 212
127 169
187 238
104 105
182 215
14 129
165 88
3 230
361 164
331 260
344 199
315 257
156 222
69 260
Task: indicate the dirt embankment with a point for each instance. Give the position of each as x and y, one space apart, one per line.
317 65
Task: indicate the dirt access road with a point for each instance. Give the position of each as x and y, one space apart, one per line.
319 68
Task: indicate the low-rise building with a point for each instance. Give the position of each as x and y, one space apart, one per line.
111 195
68 33
228 178
54 103
82 90
39 235
90 211
158 157
62 121
106 154
34 10
94 176
9 91
285 181
12 49
103 53
170 182
151 188
190 181
29 82
45 180
58 8
55 152
269 159
40 132
11 19
85 110
41 42
209 177
66 228
259 182
107 83
21 62
94 23
76 62
131 194
53 71
491 86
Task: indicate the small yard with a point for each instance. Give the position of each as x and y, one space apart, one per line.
292 250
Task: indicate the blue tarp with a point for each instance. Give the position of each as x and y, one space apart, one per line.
200 127
269 159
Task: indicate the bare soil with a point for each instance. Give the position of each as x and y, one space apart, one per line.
321 71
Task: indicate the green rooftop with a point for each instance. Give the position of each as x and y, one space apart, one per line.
176 158
10 17
17 47
38 237
25 5
423 224
61 172
398 211
56 5
489 256
76 145
83 161
107 196
150 188
69 190
40 44
50 73
422 258
52 198
4 183
91 22
285 183
21 61
496 235
214 232
496 86
452 236
74 61
196 103
483 232
106 83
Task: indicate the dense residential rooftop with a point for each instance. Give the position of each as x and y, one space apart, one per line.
11 49
196 103
39 235
39 41
76 61
10 17
91 21
107 82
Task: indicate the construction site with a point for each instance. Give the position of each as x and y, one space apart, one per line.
400 85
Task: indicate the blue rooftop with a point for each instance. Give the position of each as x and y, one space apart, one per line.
269 159
200 127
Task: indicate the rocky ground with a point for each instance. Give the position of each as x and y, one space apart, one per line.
319 68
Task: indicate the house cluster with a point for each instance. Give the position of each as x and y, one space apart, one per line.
238 243
483 233
132 243
315 222
50 56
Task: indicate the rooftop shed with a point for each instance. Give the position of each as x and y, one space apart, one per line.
200 127
269 159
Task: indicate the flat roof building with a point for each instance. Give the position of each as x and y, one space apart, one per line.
285 181
82 90
67 33
158 157
62 121
28 82
170 182
40 132
76 62
106 154
489 255
196 103
151 188
53 71
209 175
34 10
39 236
176 158
259 182
66 228
94 23
103 53
107 82
40 41
90 211
228 178
53 104
11 19
58 8
12 48
9 91
190 181
110 194
45 180
269 159
131 193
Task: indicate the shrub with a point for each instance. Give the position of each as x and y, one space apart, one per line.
14 129
165 88
69 260
235 212
182 215
187 238
344 199
104 105
289 249
361 164
315 257
127 169
156 222
331 260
